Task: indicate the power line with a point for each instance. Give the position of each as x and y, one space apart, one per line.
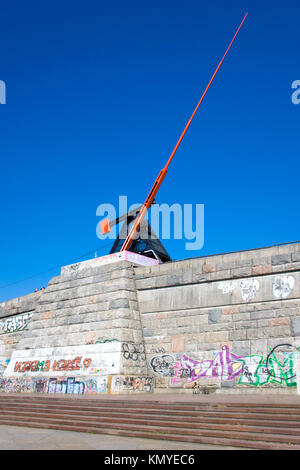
55 267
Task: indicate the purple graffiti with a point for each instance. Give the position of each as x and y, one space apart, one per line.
225 365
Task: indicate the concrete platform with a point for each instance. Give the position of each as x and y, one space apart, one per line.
16 438
255 398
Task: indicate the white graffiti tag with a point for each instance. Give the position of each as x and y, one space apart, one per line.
227 287
249 289
282 286
16 323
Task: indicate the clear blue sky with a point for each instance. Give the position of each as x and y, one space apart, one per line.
97 96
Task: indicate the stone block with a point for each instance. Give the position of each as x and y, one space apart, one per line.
174 280
118 303
177 343
296 256
46 315
214 315
295 326
91 337
237 335
241 272
262 269
241 348
277 331
279 321
209 268
230 310
147 332
281 259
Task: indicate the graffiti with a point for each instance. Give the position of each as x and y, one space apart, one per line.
178 373
254 371
282 286
74 267
157 350
67 365
141 384
69 385
33 366
100 371
134 351
249 288
132 384
44 366
96 385
15 323
163 364
23 385
41 385
107 341
227 287
281 364
225 365
279 367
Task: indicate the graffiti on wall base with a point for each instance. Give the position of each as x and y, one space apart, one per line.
279 367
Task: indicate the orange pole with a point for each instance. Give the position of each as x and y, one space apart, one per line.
163 172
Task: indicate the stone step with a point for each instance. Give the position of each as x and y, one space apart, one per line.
225 424
130 401
225 412
72 419
162 422
146 414
78 401
220 441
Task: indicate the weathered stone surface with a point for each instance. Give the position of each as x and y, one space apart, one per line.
281 259
177 343
118 303
214 315
214 308
295 326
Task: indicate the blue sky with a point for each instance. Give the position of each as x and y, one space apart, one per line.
98 94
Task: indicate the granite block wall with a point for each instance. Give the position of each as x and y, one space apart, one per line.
223 323
226 323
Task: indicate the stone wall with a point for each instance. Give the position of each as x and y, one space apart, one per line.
222 323
226 322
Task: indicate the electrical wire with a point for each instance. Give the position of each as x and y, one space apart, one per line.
55 267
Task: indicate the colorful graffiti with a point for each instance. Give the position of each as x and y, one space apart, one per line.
26 384
68 385
132 384
58 365
279 367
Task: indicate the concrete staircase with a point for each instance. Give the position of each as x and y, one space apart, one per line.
244 425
